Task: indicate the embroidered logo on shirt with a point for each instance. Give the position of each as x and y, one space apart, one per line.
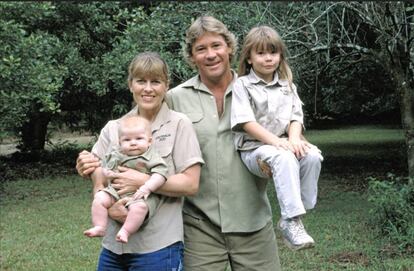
284 90
162 137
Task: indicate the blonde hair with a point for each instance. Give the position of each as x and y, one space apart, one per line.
203 25
148 64
267 39
134 122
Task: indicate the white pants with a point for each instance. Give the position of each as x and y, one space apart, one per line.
296 181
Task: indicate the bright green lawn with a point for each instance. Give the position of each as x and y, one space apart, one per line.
42 220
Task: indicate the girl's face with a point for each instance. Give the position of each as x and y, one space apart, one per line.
264 63
149 94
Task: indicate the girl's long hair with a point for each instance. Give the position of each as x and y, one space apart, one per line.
267 39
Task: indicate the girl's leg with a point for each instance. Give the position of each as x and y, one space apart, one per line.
100 204
310 168
285 173
137 212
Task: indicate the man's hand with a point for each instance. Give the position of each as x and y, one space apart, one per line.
86 163
265 168
118 211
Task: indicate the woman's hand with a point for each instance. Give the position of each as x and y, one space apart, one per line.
118 211
86 163
128 180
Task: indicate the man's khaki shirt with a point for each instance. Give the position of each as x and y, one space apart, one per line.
229 195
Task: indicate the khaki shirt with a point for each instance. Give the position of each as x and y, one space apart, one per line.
148 162
229 195
273 105
175 140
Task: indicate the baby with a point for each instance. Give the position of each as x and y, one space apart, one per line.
135 152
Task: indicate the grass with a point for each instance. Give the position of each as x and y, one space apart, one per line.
42 218
42 223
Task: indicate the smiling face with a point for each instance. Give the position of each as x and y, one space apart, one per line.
211 56
148 83
148 93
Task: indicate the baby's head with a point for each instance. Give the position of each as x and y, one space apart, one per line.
134 135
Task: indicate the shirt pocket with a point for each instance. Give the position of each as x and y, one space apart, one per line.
195 117
200 126
281 103
165 150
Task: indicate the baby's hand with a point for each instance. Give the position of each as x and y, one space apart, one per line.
142 192
108 173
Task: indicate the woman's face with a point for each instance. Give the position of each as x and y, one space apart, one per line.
148 93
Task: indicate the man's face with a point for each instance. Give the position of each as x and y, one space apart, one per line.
211 56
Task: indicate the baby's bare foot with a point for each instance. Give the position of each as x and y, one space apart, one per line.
96 231
122 236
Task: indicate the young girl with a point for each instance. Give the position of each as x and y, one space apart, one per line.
267 118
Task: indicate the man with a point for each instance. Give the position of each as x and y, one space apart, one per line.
230 219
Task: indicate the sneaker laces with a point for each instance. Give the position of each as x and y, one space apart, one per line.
295 226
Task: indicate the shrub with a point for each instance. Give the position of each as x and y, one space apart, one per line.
58 160
392 212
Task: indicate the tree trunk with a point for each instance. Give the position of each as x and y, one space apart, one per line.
407 115
34 133
402 77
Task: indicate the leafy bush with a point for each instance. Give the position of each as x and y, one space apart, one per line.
393 205
59 160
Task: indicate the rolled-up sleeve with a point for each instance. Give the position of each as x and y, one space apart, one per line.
186 150
241 111
297 112
107 138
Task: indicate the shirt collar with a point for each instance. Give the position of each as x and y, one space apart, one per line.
161 118
195 83
252 76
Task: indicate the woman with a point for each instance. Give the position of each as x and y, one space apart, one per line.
158 245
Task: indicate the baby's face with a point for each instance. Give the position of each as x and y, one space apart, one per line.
134 141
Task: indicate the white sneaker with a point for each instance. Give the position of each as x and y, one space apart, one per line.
294 234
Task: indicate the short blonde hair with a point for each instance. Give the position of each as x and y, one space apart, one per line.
148 64
203 25
265 38
134 121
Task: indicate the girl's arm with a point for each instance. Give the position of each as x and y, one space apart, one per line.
297 140
260 133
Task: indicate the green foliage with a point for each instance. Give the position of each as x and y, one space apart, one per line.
393 205
69 60
30 74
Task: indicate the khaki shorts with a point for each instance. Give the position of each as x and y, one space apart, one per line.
152 202
207 248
